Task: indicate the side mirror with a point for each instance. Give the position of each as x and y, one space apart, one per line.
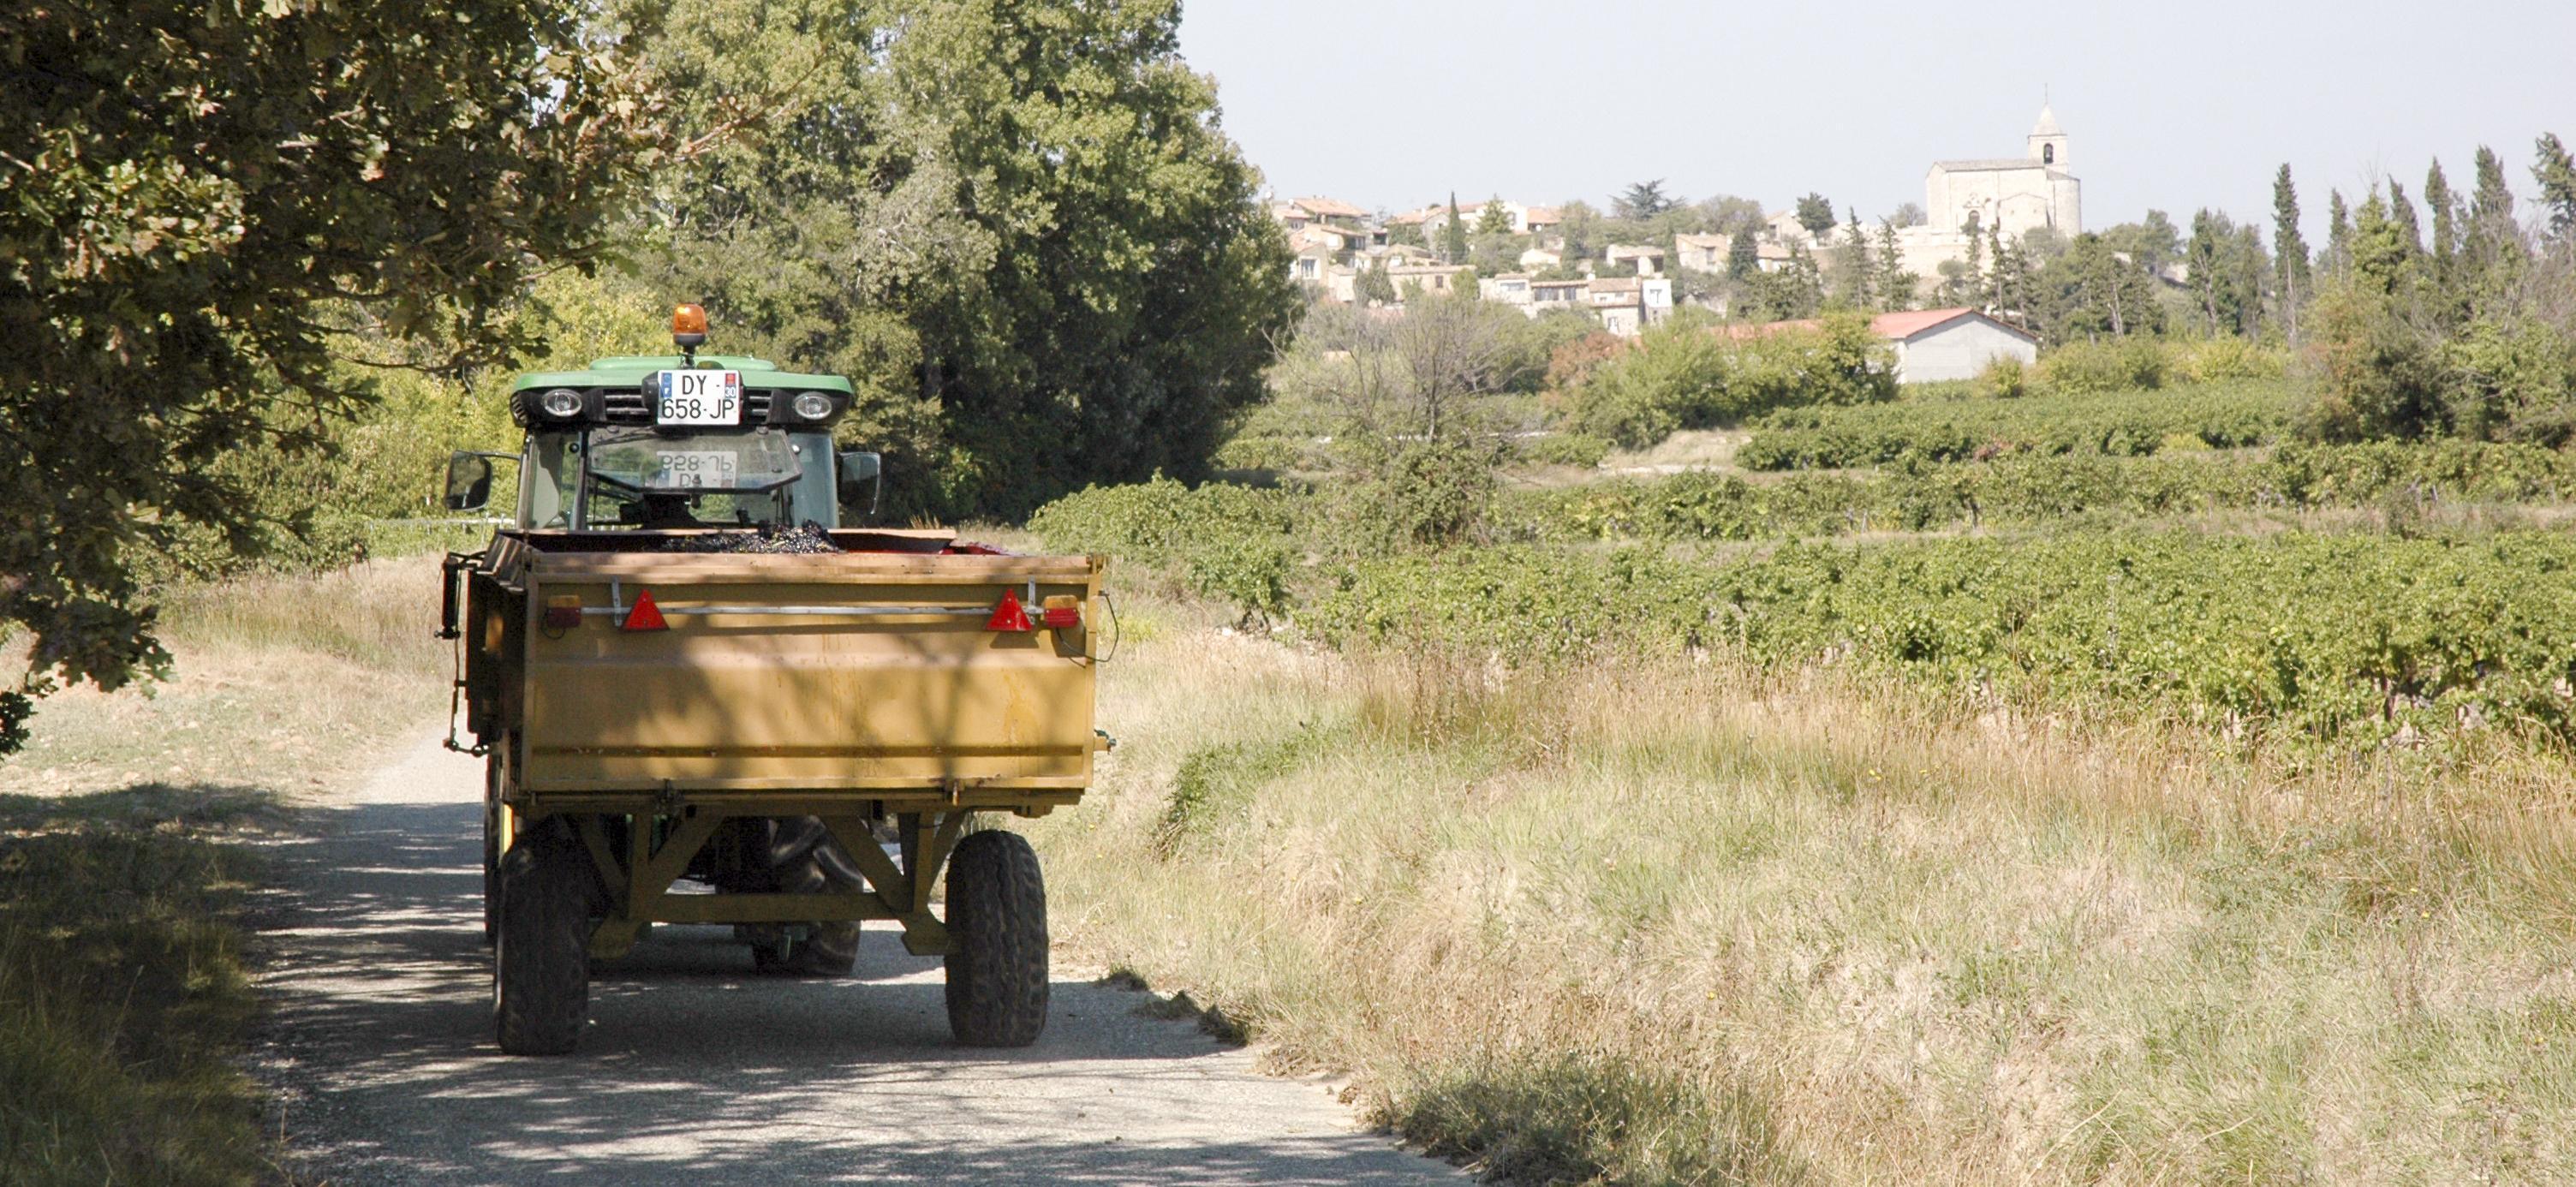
469 481
862 483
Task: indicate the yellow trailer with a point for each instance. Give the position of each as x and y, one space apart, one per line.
676 672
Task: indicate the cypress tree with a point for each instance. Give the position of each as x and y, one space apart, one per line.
2441 202
2000 298
2205 257
1895 285
1743 254
2491 245
2338 233
2493 201
2250 267
2557 177
1453 237
1851 263
2401 215
2291 259
1976 288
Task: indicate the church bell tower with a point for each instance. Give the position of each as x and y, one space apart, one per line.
2047 140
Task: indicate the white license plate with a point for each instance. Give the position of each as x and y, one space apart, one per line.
694 468
697 398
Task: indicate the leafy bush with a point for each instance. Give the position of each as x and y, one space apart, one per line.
1682 376
1249 574
2227 357
2005 378
1163 523
2081 368
1425 492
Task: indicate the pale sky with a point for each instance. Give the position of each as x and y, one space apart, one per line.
2172 105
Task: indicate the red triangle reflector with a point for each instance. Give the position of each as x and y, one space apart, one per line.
645 616
1009 615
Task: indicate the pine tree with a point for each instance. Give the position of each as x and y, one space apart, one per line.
2401 216
1453 235
2338 234
2380 249
2557 177
2291 251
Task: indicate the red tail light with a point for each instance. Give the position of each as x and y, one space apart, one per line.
645 616
1063 612
1009 615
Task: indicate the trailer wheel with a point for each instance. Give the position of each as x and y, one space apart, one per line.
997 963
541 962
804 858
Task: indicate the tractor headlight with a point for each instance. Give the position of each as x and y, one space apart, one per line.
563 403
813 405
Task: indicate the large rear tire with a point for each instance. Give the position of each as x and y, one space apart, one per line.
997 963
541 962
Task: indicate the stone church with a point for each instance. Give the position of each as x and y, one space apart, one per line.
2019 194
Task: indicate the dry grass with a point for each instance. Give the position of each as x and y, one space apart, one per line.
1686 923
1689 449
122 865
291 683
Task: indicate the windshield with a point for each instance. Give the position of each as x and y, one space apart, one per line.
656 478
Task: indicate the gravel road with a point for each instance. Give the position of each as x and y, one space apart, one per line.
696 1072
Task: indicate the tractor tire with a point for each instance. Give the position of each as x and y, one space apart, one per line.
491 850
541 962
804 858
997 930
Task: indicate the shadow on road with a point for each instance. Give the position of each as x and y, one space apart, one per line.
695 1071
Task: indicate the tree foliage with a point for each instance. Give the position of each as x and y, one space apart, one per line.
1816 214
200 204
1642 200
1019 229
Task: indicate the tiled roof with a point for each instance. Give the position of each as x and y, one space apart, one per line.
1901 326
1329 208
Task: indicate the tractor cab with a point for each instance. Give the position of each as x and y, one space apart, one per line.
659 442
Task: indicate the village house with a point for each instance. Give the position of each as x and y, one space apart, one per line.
1702 253
1647 261
1538 259
1430 278
1329 211
1939 344
1932 345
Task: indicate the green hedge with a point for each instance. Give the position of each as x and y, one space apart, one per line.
2035 489
2123 424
